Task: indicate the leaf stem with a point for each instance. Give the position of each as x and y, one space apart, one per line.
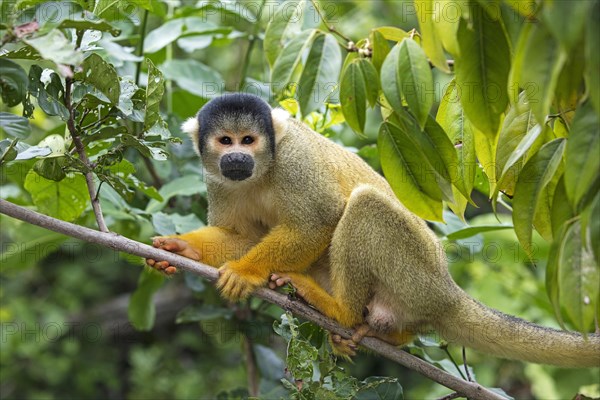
253 38
140 49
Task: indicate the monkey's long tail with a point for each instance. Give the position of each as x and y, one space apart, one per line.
490 331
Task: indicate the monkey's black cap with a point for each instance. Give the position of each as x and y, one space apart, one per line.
236 111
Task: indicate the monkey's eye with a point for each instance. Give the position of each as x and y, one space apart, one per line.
247 140
225 140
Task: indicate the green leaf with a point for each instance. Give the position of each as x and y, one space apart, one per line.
446 22
184 186
566 20
475 230
142 311
392 33
51 168
536 68
84 24
401 162
13 82
30 246
320 73
64 200
452 119
102 75
14 126
289 58
50 98
171 30
432 43
155 89
561 210
482 70
283 25
371 80
192 76
573 279
353 96
592 56
270 365
517 135
390 81
380 47
582 161
416 81
536 174
593 223
54 46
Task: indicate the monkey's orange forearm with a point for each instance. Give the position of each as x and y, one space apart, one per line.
283 249
217 245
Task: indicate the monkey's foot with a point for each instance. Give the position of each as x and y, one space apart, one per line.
173 245
344 348
235 284
276 281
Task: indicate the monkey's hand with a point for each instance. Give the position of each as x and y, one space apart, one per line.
174 245
236 283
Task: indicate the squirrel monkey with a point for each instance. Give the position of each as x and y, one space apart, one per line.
288 205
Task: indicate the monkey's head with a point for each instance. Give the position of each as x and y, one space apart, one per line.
236 136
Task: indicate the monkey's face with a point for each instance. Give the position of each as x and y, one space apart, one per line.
236 156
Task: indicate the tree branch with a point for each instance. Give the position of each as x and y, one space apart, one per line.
471 390
89 176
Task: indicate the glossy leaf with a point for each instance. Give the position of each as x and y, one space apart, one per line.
432 43
572 280
371 78
64 200
13 82
446 17
282 26
155 90
380 48
482 70
319 76
392 33
193 76
289 58
538 62
102 75
452 119
54 46
536 174
416 81
353 96
390 82
475 230
582 161
15 126
401 165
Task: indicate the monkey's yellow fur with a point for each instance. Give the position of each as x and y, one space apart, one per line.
321 217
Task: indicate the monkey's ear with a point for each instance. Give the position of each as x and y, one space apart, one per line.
280 122
192 127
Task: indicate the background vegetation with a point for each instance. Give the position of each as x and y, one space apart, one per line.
93 94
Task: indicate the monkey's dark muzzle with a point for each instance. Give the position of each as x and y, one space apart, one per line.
237 166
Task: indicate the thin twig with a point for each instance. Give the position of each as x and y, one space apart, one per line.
464 355
331 28
251 367
471 390
451 396
445 348
89 176
140 49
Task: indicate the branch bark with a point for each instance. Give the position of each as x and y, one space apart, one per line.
114 241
